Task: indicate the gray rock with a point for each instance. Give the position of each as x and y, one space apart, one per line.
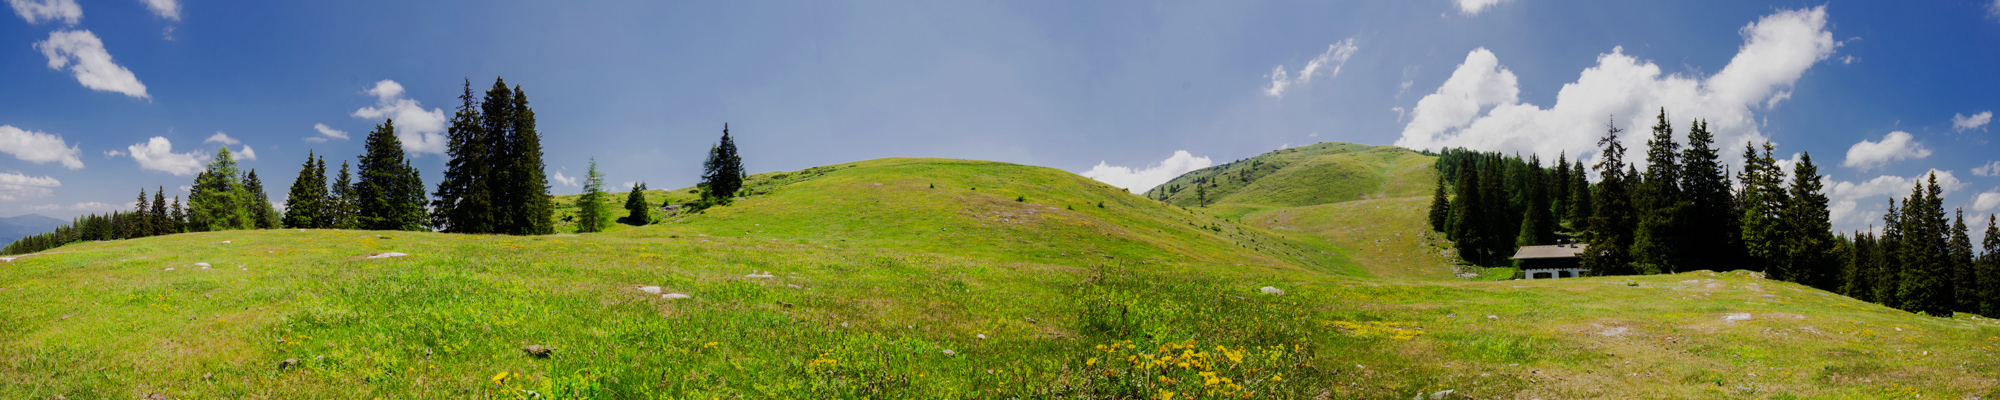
675 296
538 351
289 363
1441 394
387 255
650 289
1271 290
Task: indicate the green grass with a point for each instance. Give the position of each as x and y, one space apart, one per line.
1321 173
870 291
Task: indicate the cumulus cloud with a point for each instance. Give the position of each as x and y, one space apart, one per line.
222 138
15 186
329 132
39 147
1141 180
1990 169
1331 61
158 154
246 154
1963 123
85 57
168 9
1846 199
421 131
564 180
1479 107
1987 201
89 206
113 153
36 11
1474 7
1896 146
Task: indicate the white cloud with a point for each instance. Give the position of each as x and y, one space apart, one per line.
1332 60
158 154
246 154
85 56
1141 180
15 186
222 138
329 132
169 9
36 11
84 206
113 153
1845 199
1987 201
421 131
1474 7
1993 10
1896 146
1479 108
561 179
1962 123
38 147
1990 169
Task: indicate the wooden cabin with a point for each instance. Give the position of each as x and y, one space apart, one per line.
1552 261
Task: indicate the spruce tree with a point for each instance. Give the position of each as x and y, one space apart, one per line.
1924 253
304 201
161 222
217 201
1580 201
637 212
464 201
1465 228
341 208
722 174
178 221
1536 228
1764 199
529 185
1657 245
262 215
142 222
1965 296
1498 227
590 206
1888 257
1808 236
1858 281
1709 222
1559 192
383 198
1989 269
1440 207
1613 220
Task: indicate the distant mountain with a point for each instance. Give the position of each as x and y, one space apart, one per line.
17 227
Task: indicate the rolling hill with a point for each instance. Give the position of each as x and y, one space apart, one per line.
895 278
20 226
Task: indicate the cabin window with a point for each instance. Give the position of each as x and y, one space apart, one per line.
1540 275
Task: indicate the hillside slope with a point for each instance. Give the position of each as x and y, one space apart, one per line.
1320 173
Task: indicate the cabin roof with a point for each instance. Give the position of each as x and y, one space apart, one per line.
1550 251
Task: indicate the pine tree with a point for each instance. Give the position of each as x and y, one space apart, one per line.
1709 222
722 174
218 201
464 202
383 198
1888 257
304 202
1498 225
1965 296
1809 243
1559 192
529 186
1858 281
1536 228
1924 253
1656 245
1764 199
1440 207
142 223
262 215
178 223
590 206
1465 229
1612 220
1989 269
160 222
341 208
1580 201
636 210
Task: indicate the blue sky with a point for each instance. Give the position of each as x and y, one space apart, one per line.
101 97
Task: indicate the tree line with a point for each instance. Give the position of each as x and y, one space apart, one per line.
1683 211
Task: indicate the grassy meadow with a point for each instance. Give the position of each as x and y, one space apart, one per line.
930 278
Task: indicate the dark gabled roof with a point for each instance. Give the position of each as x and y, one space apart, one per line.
1553 251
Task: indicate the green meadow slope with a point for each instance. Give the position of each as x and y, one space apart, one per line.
899 290
1320 173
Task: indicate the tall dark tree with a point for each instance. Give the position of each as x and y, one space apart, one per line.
1580 201
1858 281
1709 221
590 206
1965 296
1763 204
528 186
1888 258
1440 207
178 221
722 174
304 203
464 202
637 210
1466 228
161 222
385 198
1613 220
1657 245
341 203
1536 227
1559 192
1924 253
218 200
1989 269
262 215
142 224
1809 243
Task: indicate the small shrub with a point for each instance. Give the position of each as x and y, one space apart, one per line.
1019 199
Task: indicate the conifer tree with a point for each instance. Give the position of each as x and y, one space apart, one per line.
1965 297
1559 192
142 223
1656 245
178 221
341 208
636 209
1580 201
1858 281
1888 257
218 199
1466 230
464 203
1612 221
1989 269
161 223
384 198
1709 222
1496 222
262 215
1808 237
304 202
590 206
722 174
1924 253
1764 199
529 185
1440 207
1536 228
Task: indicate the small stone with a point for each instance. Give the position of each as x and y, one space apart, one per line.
289 363
203 265
948 352
1493 317
1440 394
170 269
981 336
1271 290
794 286
225 242
650 289
759 274
538 351
387 255
674 296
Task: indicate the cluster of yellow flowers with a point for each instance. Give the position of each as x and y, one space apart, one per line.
1219 371
1392 330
